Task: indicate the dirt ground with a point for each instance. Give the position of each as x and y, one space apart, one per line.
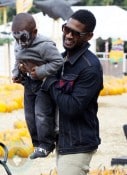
112 115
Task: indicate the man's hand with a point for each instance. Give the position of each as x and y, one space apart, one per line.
33 73
29 66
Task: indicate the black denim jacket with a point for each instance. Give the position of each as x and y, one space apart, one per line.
78 122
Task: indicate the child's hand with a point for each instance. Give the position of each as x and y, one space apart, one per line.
16 80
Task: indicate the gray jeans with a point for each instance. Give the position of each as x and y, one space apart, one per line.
39 114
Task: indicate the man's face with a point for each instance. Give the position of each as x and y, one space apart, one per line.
23 38
74 34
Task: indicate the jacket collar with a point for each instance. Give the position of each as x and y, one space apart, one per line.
72 59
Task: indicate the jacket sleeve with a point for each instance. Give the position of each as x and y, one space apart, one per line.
15 71
87 87
53 60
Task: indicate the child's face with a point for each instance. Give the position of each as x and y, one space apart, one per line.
23 38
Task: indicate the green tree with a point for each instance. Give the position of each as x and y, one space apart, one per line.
107 2
11 12
121 3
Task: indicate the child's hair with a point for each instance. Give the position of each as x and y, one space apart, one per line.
23 21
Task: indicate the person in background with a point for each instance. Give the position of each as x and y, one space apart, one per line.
76 91
36 58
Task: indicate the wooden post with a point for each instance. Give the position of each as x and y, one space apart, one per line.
4 11
4 15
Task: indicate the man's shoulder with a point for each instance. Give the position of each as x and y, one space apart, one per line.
90 58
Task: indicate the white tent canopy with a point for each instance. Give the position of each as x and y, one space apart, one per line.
111 21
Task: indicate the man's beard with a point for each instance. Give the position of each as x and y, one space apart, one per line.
73 49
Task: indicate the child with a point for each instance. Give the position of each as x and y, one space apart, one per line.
36 58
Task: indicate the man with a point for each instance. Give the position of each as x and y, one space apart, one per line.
76 94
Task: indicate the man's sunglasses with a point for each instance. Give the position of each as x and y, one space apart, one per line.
66 30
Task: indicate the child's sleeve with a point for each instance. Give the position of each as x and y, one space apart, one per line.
15 70
52 58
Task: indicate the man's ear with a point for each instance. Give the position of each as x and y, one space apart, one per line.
89 36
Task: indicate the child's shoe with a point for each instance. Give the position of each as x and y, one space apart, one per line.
39 152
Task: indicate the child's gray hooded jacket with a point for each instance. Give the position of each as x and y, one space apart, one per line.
43 50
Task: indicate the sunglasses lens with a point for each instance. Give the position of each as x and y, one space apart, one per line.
68 30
